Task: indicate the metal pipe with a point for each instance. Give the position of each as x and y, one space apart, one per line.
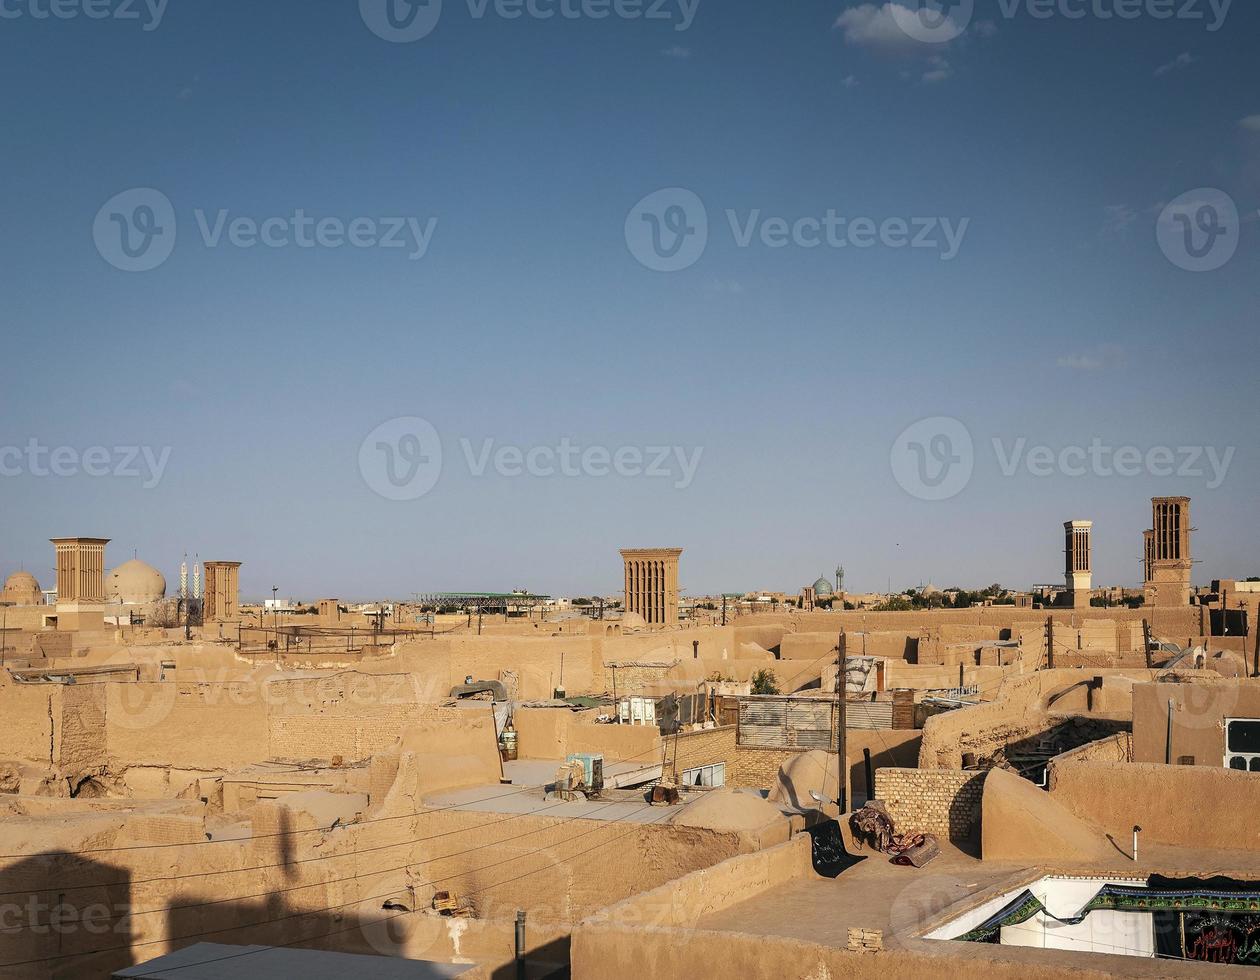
1168 737
520 944
1136 830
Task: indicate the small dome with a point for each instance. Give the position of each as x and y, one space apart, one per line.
823 587
21 582
135 582
632 621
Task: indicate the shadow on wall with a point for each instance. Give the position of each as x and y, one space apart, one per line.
63 915
883 756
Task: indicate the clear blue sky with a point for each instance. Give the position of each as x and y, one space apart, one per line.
528 321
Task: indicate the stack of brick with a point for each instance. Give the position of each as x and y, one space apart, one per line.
944 802
866 940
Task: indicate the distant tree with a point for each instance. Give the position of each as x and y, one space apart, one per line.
896 603
765 682
849 605
1252 578
581 601
1135 601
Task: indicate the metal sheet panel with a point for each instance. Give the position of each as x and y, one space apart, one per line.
786 723
869 714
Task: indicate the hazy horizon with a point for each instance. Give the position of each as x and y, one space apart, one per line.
787 287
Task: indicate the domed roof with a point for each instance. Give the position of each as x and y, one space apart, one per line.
822 586
21 582
135 582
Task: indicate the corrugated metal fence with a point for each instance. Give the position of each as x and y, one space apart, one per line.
787 722
869 714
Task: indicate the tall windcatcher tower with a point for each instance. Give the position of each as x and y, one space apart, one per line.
1166 547
1078 549
652 584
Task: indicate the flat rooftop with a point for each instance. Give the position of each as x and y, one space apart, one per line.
905 902
212 961
526 795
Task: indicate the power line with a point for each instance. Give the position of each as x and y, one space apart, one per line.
603 824
233 840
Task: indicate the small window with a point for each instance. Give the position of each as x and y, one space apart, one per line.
1242 744
707 776
1243 736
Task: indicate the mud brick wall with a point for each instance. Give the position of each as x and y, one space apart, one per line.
944 802
634 678
746 768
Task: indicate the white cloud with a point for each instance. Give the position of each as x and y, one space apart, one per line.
1250 123
1183 60
891 25
850 81
1116 219
873 25
1103 357
941 69
677 51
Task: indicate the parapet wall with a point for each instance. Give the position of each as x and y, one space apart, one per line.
682 903
1168 802
944 802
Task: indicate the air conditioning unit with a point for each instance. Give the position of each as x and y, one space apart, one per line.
594 768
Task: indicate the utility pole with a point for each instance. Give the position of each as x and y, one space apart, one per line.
1256 656
842 762
1050 642
4 630
1146 641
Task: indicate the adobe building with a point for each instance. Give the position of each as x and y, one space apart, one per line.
135 583
80 583
1166 550
22 589
1078 550
222 591
652 584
